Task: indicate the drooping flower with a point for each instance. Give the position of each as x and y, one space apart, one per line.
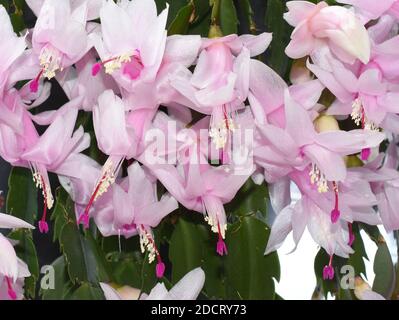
114 138
135 210
299 145
313 211
39 153
220 82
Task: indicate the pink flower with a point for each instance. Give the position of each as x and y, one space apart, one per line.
372 10
336 26
11 47
59 38
298 145
133 42
12 269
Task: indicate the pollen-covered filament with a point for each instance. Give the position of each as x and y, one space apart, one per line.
147 243
221 128
48 199
108 175
130 64
50 61
318 178
359 117
216 227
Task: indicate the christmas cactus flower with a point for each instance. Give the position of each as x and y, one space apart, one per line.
170 149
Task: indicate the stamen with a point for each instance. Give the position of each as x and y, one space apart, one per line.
335 213
11 293
107 179
328 271
220 130
133 70
147 243
318 178
221 248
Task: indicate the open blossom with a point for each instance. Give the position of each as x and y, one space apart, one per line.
187 288
133 41
371 10
39 153
298 145
12 269
11 47
135 210
317 24
368 98
355 201
220 82
59 38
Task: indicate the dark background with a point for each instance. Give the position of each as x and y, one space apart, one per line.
46 249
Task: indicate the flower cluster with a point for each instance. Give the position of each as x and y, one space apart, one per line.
201 116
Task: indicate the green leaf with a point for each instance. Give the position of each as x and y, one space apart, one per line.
384 281
22 195
62 284
275 23
248 271
63 212
181 23
250 199
84 259
26 251
228 17
201 9
185 250
88 291
17 21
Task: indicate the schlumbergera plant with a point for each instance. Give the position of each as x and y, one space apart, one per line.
160 146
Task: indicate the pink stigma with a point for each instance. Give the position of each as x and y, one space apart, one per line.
10 291
84 219
221 248
96 69
160 268
328 271
34 86
365 154
43 226
335 213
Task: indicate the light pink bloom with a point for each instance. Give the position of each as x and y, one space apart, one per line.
39 153
372 10
220 82
384 183
133 41
135 209
11 268
59 38
320 24
298 145
187 288
369 98
313 211
11 47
